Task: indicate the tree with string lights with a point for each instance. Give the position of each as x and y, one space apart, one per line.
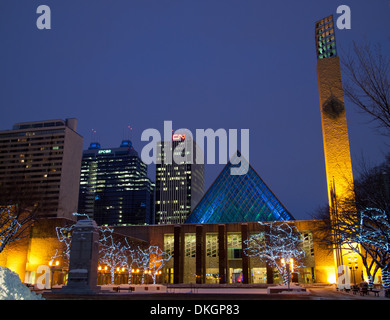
116 252
64 235
152 260
131 258
279 245
375 234
363 223
111 252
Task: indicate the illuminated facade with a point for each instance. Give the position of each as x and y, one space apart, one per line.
212 253
334 122
114 187
43 157
179 184
207 253
238 198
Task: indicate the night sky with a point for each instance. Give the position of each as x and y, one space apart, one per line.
228 64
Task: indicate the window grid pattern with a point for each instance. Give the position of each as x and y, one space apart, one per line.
169 242
325 38
308 244
212 245
234 240
190 245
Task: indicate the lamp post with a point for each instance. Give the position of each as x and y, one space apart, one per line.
137 276
54 266
353 265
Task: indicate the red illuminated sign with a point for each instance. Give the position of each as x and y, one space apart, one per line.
178 137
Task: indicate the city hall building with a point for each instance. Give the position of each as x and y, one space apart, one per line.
213 253
210 253
207 249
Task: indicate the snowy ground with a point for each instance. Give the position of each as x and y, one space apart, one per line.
11 288
320 292
217 290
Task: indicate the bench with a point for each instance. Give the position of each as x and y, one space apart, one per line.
118 289
363 291
141 288
376 292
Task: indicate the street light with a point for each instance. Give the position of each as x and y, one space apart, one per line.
353 267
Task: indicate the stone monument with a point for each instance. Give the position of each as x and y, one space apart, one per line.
83 261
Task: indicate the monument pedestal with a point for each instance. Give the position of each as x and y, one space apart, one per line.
84 255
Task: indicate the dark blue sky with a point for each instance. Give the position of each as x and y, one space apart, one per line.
229 64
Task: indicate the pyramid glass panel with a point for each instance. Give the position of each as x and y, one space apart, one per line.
238 198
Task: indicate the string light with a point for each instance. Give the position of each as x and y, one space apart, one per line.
153 259
116 255
368 228
9 226
277 244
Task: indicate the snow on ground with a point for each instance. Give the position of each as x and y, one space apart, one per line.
11 288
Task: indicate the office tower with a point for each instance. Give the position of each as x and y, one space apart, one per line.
334 122
114 187
180 183
238 198
43 158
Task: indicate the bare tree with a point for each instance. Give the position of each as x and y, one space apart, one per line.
367 82
278 244
64 235
19 209
356 232
152 261
132 258
363 223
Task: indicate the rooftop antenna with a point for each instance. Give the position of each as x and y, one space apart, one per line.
129 132
93 131
94 136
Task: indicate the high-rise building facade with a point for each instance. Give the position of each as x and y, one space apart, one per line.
44 158
179 182
114 186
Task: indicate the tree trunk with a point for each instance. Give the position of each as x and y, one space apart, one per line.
386 278
370 282
286 275
112 275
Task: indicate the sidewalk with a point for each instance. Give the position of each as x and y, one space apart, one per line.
221 293
330 293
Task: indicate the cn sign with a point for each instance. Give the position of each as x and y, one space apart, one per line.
343 277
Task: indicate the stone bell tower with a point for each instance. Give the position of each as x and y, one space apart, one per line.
334 122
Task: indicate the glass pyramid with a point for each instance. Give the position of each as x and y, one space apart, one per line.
238 198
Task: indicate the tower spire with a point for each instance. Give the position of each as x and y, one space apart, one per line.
338 164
